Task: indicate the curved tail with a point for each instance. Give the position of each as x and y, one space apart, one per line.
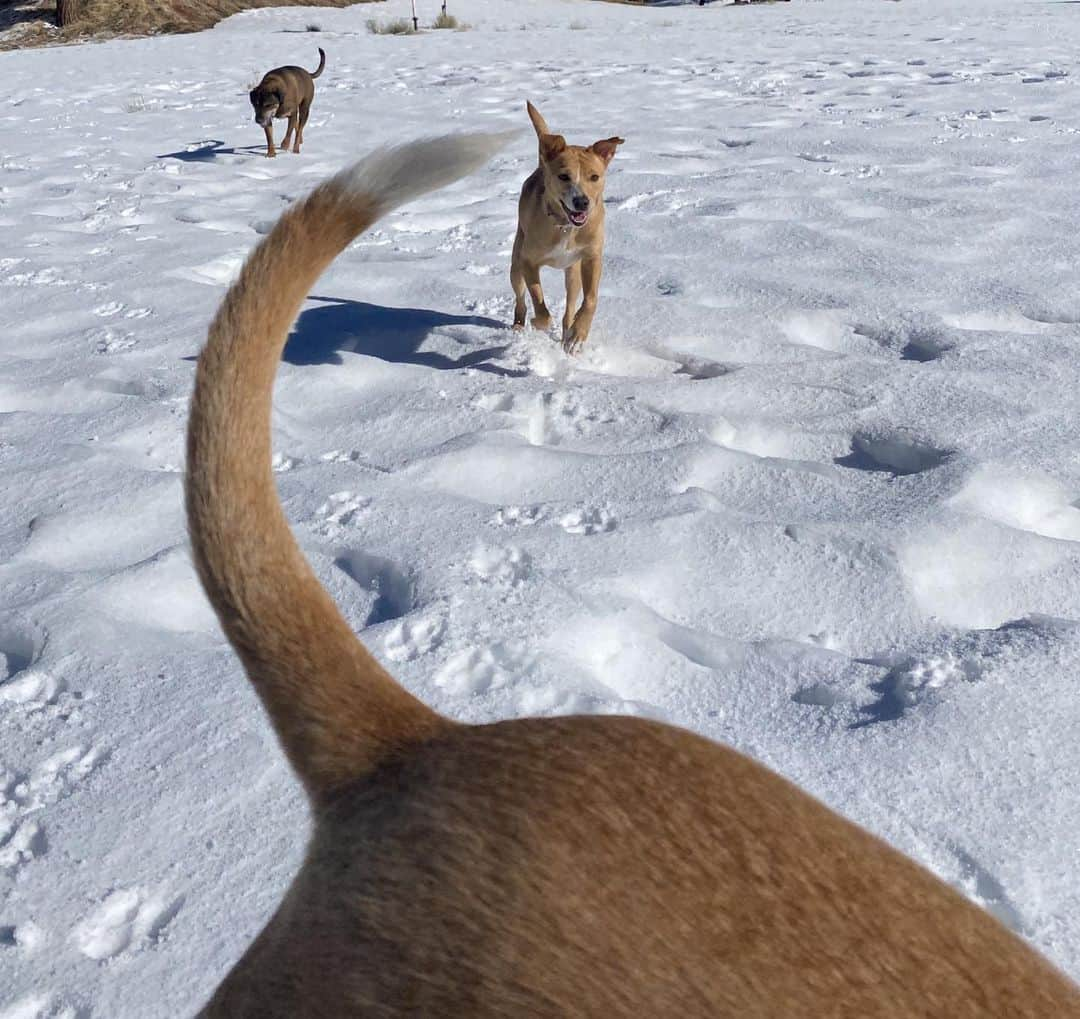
335 710
322 63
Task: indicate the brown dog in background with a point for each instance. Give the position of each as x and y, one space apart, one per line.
285 92
561 224
603 867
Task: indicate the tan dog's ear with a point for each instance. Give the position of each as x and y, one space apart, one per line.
551 145
605 149
538 122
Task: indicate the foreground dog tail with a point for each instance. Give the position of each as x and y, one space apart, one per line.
335 710
322 63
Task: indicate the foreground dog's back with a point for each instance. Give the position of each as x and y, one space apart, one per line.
586 866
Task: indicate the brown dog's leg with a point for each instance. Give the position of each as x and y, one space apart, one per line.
579 331
517 281
305 109
542 317
270 151
573 294
289 132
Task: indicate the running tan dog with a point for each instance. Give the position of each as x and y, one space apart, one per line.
285 92
561 224
606 867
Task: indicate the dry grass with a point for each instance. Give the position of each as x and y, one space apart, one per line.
447 21
105 18
399 26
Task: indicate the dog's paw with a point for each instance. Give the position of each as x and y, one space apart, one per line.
543 323
572 341
270 155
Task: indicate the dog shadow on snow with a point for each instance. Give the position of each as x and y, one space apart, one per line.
209 150
390 334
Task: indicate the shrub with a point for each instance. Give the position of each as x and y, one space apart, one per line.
399 26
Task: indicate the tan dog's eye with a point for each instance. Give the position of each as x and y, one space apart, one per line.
564 176
595 176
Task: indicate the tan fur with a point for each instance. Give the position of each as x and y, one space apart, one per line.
590 866
285 92
547 235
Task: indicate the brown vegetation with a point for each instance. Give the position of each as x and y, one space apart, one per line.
35 22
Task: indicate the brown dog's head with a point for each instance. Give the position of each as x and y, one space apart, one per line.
573 175
266 99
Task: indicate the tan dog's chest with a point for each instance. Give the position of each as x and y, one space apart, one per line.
564 253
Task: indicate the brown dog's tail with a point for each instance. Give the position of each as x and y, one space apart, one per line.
336 711
322 63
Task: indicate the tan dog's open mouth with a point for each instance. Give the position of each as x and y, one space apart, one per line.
576 218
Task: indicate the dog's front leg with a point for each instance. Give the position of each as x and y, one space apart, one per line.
573 294
268 127
517 281
541 316
578 332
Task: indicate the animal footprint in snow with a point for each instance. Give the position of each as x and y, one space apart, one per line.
341 456
40 1006
913 681
28 937
495 402
587 521
126 920
341 508
553 701
113 308
482 269
518 516
508 565
57 775
282 463
20 841
110 341
411 638
477 670
31 688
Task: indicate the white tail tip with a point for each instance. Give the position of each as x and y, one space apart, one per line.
392 177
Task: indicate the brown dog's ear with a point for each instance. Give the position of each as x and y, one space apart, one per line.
538 122
605 149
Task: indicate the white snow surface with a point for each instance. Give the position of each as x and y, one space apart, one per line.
811 489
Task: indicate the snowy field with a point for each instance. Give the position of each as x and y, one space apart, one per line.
811 489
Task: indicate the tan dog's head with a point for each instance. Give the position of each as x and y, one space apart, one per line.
266 99
573 175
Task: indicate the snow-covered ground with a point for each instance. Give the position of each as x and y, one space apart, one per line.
811 489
